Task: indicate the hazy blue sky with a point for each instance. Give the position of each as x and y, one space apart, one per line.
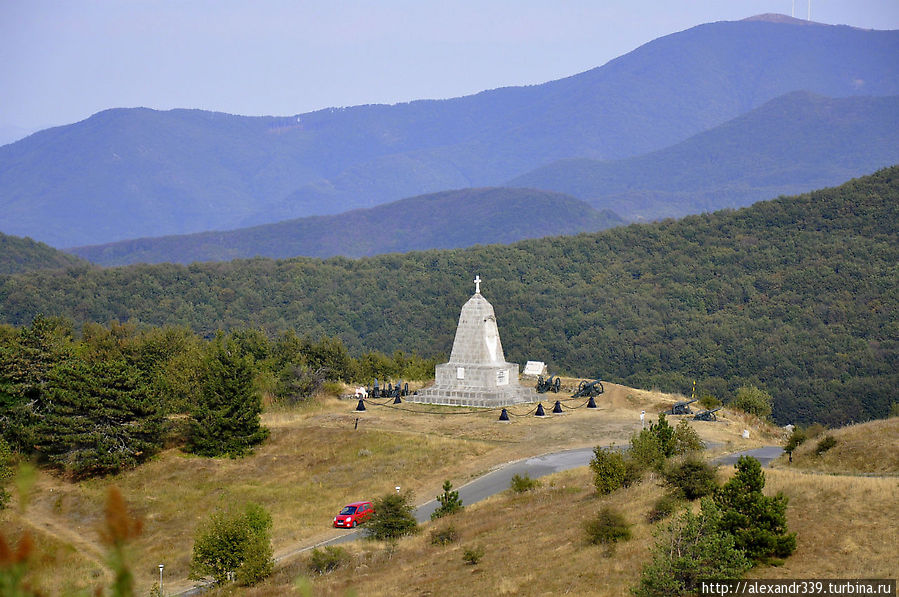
63 60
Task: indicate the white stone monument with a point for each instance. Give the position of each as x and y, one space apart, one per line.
477 373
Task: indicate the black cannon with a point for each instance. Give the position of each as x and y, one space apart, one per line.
707 415
589 389
681 408
550 384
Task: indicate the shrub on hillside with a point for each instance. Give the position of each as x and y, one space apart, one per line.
444 536
686 440
473 555
826 443
328 559
393 517
607 527
664 507
523 483
754 401
797 436
692 477
609 469
690 548
234 545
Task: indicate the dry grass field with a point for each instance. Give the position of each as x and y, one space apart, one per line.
319 457
871 447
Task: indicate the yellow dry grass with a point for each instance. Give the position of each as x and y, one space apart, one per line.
318 458
871 447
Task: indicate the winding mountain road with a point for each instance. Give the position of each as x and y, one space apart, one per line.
499 480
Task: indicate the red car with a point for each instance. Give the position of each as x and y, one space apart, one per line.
353 514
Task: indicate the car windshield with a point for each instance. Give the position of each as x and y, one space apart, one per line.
349 510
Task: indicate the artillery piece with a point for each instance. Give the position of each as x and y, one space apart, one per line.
681 407
589 389
707 415
550 384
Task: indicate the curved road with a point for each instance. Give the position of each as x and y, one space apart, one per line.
499 480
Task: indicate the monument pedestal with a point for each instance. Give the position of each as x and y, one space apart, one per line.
477 373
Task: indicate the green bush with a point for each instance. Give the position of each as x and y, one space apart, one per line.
523 483
609 469
329 559
234 545
688 549
473 555
693 477
444 536
686 440
609 526
709 402
394 517
754 401
826 443
797 436
449 501
664 507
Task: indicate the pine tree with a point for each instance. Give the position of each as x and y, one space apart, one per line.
225 417
449 501
757 522
96 418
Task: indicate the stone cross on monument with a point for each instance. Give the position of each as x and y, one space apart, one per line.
477 373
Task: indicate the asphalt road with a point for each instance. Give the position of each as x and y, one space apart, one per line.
499 480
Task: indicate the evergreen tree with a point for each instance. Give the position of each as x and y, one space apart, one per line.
449 501
757 522
225 416
692 547
96 418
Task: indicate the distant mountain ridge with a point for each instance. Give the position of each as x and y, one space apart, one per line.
134 173
792 144
447 220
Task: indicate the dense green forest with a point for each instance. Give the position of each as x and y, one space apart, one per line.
796 295
23 255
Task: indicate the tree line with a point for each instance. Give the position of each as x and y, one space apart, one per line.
107 398
795 295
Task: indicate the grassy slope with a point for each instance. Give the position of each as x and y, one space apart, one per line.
313 463
871 447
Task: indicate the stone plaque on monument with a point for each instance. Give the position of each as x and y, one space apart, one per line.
477 373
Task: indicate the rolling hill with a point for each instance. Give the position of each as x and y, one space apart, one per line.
792 144
450 219
129 173
796 295
19 255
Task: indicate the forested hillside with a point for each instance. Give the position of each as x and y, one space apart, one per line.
451 219
133 173
23 254
797 295
793 144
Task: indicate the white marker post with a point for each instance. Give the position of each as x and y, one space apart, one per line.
642 419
